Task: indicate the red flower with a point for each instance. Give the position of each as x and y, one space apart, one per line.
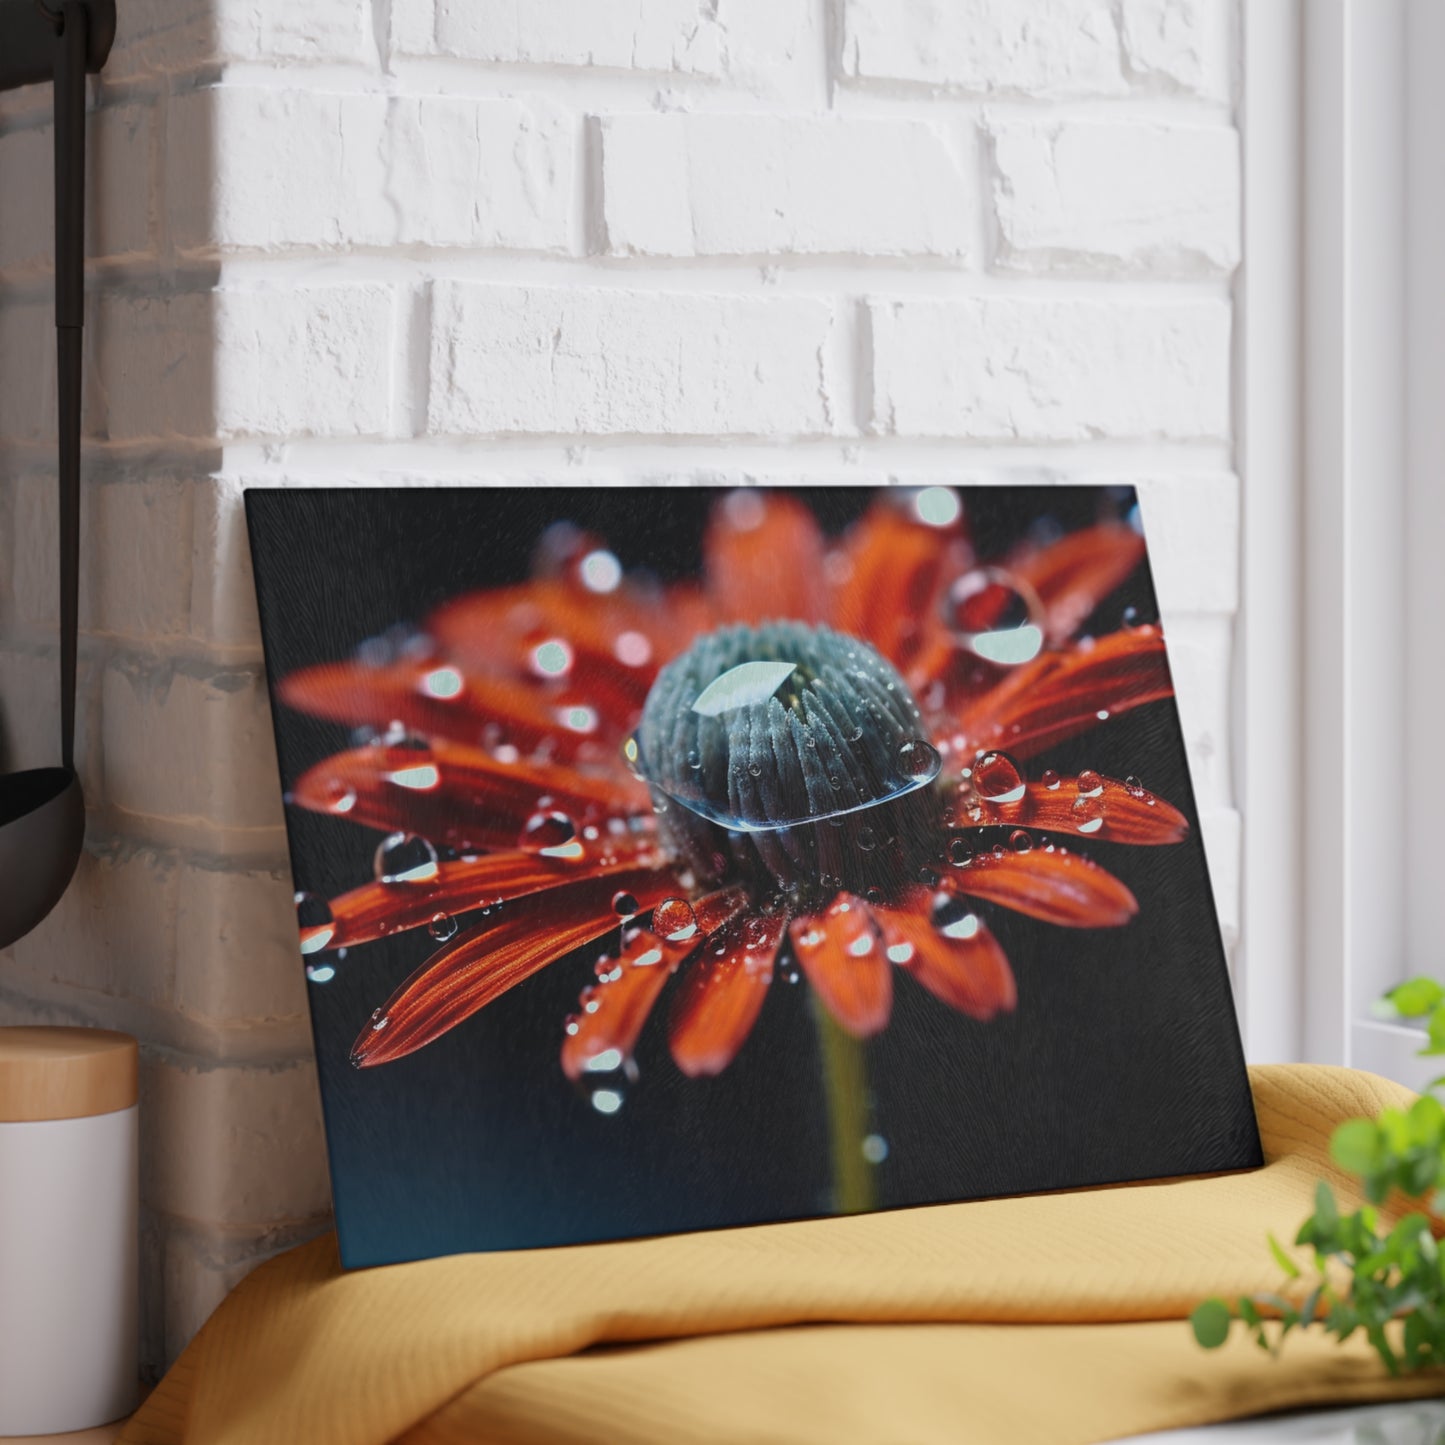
501 773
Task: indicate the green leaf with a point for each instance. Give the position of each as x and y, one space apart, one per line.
1427 1120
1355 1146
1211 1323
1416 997
1327 1212
1282 1259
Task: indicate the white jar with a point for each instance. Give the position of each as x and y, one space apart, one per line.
68 1229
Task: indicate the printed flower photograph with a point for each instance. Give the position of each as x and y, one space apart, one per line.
675 857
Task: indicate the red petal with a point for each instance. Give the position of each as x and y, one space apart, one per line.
1048 883
405 692
376 910
715 1008
620 1004
462 797
763 556
887 575
1062 694
1075 574
615 641
842 953
1116 813
484 962
969 972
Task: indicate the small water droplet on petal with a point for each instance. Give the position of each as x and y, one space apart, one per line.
674 920
997 778
404 858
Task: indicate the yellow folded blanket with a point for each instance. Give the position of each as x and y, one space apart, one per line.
1052 1319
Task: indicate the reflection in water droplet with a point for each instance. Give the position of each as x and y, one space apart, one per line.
866 839
674 920
320 972
1090 784
314 921
405 858
900 953
606 1101
1135 787
624 905
937 506
600 571
417 777
340 796
959 853
551 657
442 682
996 616
997 778
1020 840
953 919
1051 780
632 649
1087 814
442 927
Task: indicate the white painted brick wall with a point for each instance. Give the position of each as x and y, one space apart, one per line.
339 242
670 185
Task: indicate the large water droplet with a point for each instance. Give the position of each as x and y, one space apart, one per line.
674 920
997 778
996 616
405 858
314 921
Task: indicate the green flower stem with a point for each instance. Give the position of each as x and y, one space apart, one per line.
845 1087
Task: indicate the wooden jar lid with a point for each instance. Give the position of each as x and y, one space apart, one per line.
59 1073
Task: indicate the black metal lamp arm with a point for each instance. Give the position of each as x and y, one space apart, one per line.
38 42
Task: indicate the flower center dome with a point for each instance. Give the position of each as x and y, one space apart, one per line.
786 750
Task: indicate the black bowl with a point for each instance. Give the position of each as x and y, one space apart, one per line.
42 827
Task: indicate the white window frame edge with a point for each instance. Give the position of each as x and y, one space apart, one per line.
1345 899
1268 975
